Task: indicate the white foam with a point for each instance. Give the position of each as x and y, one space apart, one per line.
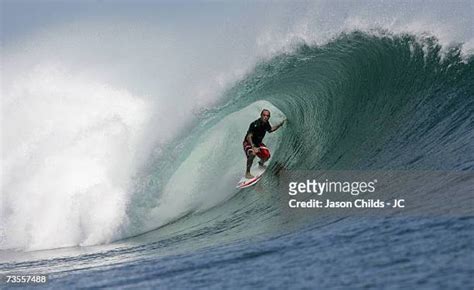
68 149
84 106
317 22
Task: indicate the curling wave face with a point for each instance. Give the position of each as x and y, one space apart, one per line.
360 102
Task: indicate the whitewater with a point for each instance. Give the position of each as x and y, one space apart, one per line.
122 144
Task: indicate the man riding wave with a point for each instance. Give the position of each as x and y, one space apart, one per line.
253 145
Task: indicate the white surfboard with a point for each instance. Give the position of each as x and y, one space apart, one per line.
247 182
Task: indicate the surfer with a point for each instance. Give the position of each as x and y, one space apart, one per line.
253 145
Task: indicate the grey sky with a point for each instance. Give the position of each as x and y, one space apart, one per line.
24 17
20 18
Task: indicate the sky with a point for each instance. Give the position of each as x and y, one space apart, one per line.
25 16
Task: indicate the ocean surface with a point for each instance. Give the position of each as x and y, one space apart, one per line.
363 101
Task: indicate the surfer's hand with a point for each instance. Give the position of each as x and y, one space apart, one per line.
256 150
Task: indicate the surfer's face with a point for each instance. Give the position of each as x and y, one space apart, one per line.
265 116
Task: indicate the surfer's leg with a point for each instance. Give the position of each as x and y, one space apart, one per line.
250 156
264 155
249 165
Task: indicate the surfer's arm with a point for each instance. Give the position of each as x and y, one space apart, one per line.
249 139
276 127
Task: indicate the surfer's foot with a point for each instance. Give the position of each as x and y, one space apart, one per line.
262 165
248 175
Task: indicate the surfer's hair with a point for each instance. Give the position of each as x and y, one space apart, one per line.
264 110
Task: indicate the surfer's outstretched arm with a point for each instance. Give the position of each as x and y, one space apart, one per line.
276 127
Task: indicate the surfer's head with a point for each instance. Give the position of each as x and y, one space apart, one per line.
265 115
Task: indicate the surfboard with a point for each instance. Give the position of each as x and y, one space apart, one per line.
247 182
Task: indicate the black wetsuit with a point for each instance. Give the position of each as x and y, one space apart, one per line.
258 128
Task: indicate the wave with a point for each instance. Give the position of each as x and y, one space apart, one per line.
362 101
367 101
